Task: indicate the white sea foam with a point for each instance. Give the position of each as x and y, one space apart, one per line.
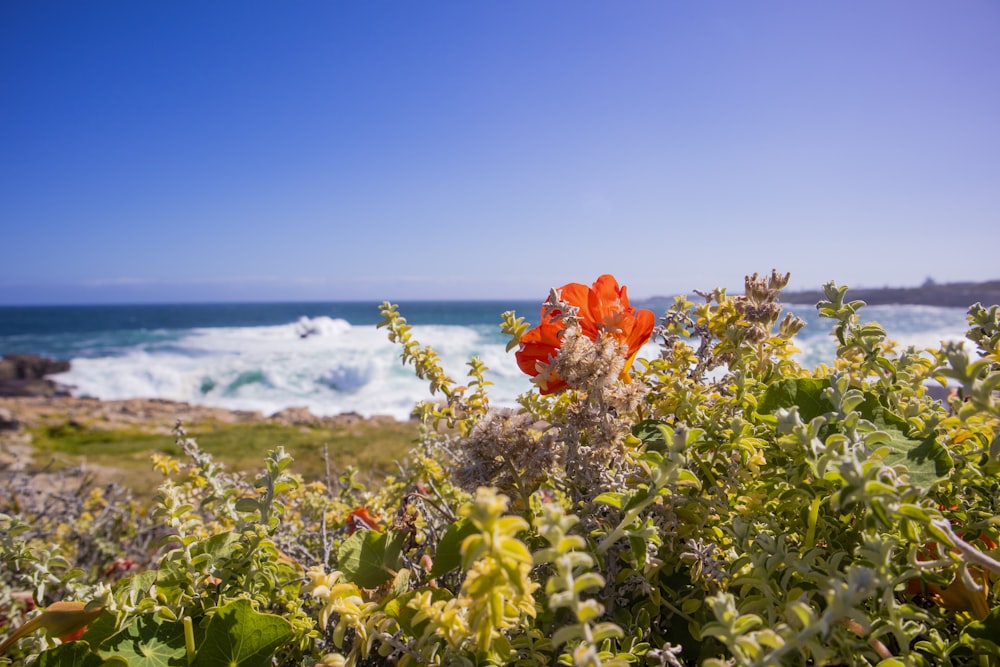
337 367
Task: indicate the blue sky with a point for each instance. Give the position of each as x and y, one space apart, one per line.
193 151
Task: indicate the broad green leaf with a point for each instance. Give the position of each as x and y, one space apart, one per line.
873 410
449 550
219 545
72 654
515 551
140 583
687 478
148 642
238 636
368 558
926 460
642 497
804 393
100 629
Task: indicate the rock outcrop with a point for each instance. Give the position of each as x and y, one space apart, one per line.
26 375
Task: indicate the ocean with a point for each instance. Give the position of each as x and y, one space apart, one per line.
253 356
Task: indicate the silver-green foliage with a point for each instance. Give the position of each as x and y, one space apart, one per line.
725 507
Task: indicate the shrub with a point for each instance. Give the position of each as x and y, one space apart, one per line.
716 505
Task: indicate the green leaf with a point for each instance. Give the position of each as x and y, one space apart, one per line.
567 633
804 393
219 545
638 550
247 505
369 558
984 634
72 654
873 410
611 498
649 432
238 636
927 461
398 609
100 629
915 512
148 642
603 631
449 550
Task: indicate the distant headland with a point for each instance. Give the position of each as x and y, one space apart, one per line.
949 295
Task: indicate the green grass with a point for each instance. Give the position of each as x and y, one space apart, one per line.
123 455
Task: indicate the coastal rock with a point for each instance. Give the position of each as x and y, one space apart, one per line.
295 416
147 415
302 416
25 375
29 367
8 422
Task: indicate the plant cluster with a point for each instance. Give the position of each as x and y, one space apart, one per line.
717 505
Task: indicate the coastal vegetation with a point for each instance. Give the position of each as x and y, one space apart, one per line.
717 505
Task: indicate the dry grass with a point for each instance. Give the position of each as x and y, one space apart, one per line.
123 455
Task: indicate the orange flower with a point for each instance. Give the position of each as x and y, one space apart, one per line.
602 308
360 518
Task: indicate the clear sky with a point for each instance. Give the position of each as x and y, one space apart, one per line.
245 150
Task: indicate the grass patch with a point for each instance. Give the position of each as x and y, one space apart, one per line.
371 447
123 455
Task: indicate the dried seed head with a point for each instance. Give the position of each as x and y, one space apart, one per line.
790 325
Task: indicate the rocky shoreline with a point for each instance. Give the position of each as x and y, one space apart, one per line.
28 396
152 415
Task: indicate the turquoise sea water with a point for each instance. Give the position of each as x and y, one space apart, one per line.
255 356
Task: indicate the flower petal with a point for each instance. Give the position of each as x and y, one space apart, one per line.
640 331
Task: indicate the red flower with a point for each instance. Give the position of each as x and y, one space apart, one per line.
602 308
360 518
